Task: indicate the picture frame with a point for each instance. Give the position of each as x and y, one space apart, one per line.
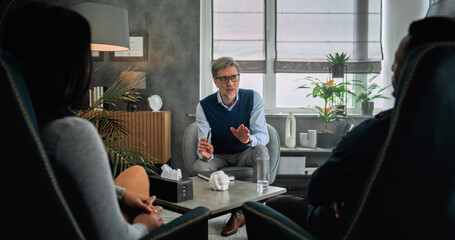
138 49
97 56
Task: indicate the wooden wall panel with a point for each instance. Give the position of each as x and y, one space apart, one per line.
150 130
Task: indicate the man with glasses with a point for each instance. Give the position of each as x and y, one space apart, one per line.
232 128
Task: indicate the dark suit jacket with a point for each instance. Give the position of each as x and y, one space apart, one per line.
343 175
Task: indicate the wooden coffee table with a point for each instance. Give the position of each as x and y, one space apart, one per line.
221 202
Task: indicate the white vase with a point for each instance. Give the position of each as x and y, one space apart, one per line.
309 139
290 132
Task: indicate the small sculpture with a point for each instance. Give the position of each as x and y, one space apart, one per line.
219 181
309 139
290 131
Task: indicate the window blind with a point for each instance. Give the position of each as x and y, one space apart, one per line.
307 30
238 29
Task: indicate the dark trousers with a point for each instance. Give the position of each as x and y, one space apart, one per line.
321 221
293 207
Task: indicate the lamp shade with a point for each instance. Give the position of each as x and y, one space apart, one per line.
109 25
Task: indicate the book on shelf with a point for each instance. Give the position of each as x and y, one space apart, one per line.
310 170
206 175
94 94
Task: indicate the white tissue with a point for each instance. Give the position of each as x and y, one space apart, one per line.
169 173
219 181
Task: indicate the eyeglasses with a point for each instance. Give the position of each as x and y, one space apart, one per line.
225 79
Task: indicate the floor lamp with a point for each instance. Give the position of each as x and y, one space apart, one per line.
109 25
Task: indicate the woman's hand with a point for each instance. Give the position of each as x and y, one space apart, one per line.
146 213
151 220
140 202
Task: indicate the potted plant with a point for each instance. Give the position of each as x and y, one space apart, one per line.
322 90
338 61
341 93
370 92
113 131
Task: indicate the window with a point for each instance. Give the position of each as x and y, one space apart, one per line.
308 30
279 41
238 29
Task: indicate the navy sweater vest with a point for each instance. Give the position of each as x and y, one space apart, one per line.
220 121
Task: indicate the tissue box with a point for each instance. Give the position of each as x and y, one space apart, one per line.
171 190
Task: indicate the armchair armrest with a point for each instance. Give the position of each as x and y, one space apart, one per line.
191 225
263 222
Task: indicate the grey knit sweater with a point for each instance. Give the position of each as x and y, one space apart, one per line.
82 165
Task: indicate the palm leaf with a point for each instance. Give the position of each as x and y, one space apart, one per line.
123 157
116 92
113 130
108 123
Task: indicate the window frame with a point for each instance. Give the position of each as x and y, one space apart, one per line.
271 65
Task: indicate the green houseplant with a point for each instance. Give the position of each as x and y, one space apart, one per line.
338 58
113 131
341 94
370 92
326 91
338 61
323 90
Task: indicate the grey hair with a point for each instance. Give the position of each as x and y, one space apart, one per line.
222 63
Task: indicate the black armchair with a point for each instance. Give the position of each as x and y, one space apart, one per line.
411 190
34 205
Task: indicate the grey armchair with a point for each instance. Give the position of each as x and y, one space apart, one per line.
190 141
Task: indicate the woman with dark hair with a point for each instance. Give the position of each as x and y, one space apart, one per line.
53 51
52 47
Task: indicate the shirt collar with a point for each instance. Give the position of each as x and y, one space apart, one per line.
220 101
